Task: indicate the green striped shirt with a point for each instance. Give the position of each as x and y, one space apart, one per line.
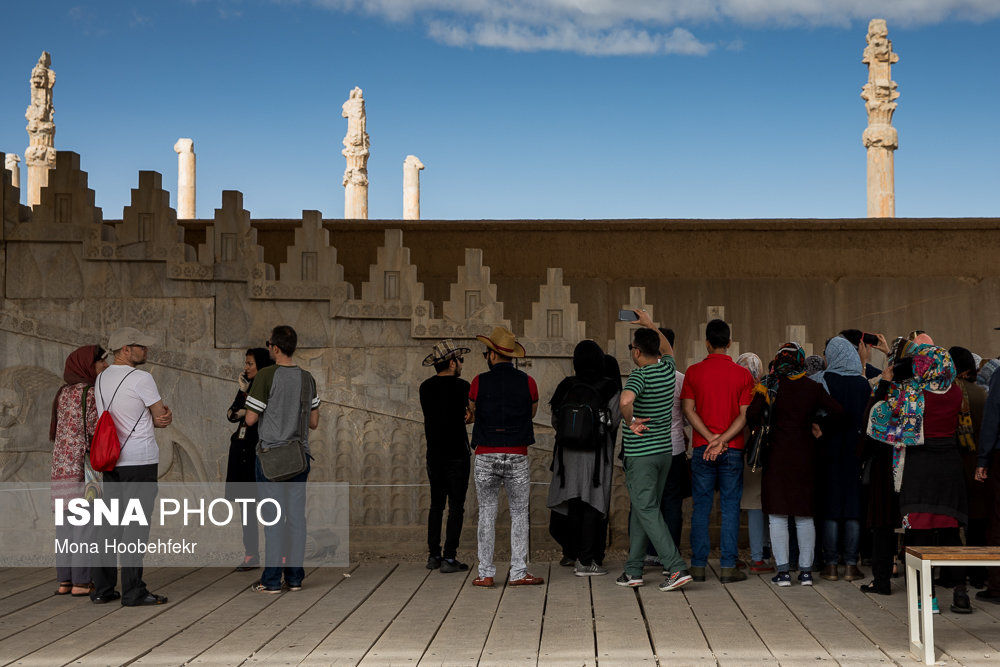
653 386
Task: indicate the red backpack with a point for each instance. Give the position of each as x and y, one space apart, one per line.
105 447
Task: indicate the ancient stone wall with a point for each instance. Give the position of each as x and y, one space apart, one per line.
369 299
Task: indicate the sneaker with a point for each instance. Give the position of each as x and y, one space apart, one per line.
628 580
697 572
433 562
566 561
935 609
960 602
732 574
675 580
453 565
805 578
760 567
591 570
258 587
782 579
293 587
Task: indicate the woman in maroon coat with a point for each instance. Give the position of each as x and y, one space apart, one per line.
788 485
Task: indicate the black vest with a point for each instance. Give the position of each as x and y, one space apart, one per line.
503 409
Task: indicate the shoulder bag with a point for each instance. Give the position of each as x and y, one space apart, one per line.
285 461
759 441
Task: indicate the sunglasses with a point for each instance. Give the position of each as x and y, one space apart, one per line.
268 343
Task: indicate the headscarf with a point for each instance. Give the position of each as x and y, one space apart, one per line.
986 372
613 371
814 365
588 360
899 419
789 362
752 363
842 359
920 337
79 369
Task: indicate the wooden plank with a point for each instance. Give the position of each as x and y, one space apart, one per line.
619 626
460 639
568 623
351 640
762 602
676 635
31 578
31 596
292 644
242 605
237 646
732 639
956 553
9 574
840 638
869 615
65 637
39 612
408 636
178 617
518 616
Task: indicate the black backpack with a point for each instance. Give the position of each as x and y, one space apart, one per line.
582 424
582 418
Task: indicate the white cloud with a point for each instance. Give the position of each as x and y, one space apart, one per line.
631 27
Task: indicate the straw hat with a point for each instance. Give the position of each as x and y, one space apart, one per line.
444 351
502 342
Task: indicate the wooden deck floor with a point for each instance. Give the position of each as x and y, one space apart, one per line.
381 613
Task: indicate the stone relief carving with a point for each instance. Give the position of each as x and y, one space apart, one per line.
392 290
554 328
26 394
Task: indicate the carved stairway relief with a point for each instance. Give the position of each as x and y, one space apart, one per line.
66 210
472 309
618 346
554 328
392 290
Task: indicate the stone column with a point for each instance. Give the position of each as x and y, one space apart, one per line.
880 137
41 153
185 179
411 187
356 146
12 162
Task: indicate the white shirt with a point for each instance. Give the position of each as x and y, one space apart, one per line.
677 421
130 408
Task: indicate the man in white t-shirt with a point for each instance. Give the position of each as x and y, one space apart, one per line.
131 396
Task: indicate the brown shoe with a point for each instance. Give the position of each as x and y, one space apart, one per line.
853 573
485 582
527 580
830 572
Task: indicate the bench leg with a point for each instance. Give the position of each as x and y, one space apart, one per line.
926 612
912 615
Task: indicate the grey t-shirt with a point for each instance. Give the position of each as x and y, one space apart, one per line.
276 395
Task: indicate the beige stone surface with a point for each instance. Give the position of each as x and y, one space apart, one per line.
12 162
411 187
880 137
186 179
376 295
356 150
40 155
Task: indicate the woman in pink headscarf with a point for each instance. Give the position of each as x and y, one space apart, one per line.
74 417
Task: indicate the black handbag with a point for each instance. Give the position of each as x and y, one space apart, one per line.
284 461
758 443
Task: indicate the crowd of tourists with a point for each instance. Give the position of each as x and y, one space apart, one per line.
830 456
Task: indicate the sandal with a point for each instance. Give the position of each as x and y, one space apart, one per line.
68 585
82 591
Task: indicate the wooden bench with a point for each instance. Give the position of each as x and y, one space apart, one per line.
919 561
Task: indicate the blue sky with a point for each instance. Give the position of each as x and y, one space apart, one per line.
544 109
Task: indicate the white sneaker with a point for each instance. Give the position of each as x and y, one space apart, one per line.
591 570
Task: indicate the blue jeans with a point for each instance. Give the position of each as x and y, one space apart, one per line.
805 530
727 472
850 535
757 528
285 541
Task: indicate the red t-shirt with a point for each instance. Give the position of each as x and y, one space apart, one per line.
483 449
941 412
719 387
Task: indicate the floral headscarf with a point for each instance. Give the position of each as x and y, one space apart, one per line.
899 419
752 363
789 362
